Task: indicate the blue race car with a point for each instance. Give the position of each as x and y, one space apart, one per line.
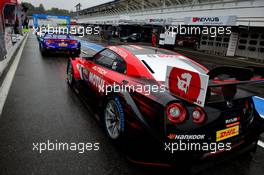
59 43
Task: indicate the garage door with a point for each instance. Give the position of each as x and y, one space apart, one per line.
251 45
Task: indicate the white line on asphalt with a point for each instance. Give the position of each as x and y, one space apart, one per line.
84 52
4 89
261 144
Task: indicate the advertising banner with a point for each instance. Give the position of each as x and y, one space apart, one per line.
211 20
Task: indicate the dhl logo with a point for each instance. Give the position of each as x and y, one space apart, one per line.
227 133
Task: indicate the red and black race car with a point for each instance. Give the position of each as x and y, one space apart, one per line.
162 99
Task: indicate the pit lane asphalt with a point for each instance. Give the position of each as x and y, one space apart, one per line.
41 107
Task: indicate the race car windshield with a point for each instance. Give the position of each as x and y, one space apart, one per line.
62 36
145 50
56 36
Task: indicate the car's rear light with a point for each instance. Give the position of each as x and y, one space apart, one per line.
49 41
198 115
176 113
73 42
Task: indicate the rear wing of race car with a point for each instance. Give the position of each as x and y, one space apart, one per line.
229 75
228 78
196 87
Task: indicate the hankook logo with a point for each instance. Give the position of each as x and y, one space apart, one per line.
205 19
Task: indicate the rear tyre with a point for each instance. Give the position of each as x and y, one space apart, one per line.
70 74
43 51
255 147
113 119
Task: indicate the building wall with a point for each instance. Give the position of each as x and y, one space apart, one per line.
250 12
249 16
251 43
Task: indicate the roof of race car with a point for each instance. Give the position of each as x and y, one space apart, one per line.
145 50
58 36
155 60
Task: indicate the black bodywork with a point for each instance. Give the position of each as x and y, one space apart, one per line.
147 126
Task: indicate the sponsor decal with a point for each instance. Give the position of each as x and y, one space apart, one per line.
184 82
232 120
232 124
227 133
171 136
188 85
205 19
121 112
97 81
186 137
99 70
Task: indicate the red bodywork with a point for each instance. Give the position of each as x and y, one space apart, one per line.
135 68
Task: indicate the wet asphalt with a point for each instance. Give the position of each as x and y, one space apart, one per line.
40 107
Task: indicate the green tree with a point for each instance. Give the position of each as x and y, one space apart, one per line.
40 9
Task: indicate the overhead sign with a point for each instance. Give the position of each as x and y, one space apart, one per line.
155 21
187 85
45 16
211 20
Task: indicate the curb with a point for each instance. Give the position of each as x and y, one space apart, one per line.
10 72
10 58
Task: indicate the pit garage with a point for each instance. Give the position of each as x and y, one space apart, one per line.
251 43
246 18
